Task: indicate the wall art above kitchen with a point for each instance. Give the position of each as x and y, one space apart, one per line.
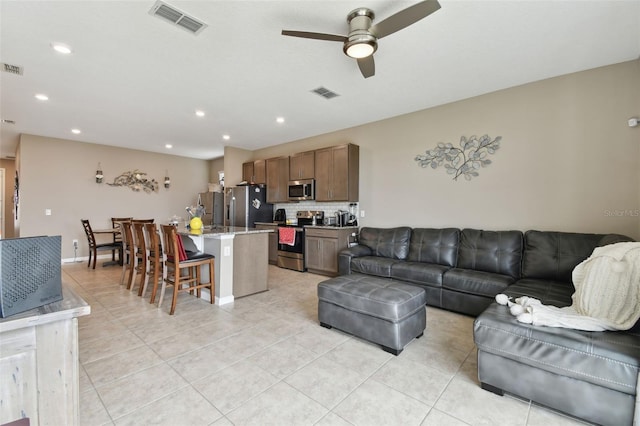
464 161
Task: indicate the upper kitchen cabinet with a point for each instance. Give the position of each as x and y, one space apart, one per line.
336 172
254 172
277 179
302 166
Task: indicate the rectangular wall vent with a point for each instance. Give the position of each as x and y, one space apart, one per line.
12 69
325 93
177 17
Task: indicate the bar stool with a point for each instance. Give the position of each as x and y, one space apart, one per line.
127 258
156 258
177 261
117 237
139 256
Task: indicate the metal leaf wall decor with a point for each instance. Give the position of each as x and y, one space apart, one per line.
464 161
137 181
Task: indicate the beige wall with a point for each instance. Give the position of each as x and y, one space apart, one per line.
59 175
216 165
233 159
9 167
568 160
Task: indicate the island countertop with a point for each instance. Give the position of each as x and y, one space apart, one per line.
216 231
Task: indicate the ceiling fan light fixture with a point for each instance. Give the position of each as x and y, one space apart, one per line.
360 46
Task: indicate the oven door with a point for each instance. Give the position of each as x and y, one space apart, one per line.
298 244
292 256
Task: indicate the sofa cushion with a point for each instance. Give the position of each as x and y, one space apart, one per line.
439 246
554 255
419 273
387 242
499 252
607 359
373 265
476 282
547 291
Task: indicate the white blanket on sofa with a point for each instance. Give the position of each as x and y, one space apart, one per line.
607 295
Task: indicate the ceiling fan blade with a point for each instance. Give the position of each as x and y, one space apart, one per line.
367 66
404 18
315 36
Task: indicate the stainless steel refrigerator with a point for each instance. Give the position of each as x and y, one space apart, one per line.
246 205
213 203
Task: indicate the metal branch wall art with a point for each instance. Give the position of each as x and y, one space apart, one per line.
137 181
464 161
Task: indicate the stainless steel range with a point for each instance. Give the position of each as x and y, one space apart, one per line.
291 250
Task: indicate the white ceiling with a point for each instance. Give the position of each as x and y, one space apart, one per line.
135 80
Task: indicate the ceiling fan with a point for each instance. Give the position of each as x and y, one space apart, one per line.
362 40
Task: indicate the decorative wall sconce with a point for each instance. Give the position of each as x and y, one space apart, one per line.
99 174
167 181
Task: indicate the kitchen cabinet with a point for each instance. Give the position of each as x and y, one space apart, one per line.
254 172
273 240
322 246
302 165
277 171
336 173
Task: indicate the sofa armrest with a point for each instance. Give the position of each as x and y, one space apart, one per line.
345 256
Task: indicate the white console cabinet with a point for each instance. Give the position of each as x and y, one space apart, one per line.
39 364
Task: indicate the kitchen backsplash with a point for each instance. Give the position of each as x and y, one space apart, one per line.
328 208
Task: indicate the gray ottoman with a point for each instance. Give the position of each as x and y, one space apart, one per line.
379 310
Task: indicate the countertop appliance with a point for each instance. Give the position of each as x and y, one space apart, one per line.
213 203
291 256
246 205
302 190
280 216
344 218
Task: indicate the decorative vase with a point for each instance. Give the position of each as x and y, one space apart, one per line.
195 224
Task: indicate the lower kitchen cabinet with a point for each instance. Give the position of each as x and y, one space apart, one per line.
322 246
273 241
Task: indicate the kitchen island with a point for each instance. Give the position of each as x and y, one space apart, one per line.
241 266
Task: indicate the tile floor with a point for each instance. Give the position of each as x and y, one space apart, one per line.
265 360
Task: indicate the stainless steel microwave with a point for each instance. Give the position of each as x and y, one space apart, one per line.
300 190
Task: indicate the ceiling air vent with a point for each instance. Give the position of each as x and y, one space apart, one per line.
12 69
177 17
325 93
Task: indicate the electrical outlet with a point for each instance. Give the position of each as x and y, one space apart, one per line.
75 244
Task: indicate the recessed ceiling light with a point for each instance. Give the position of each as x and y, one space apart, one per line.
168 146
76 131
199 113
280 120
226 137
42 97
61 48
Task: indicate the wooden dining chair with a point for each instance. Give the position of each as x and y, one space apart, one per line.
117 237
178 261
95 247
127 253
139 256
156 258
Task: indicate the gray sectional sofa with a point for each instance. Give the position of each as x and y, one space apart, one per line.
590 375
